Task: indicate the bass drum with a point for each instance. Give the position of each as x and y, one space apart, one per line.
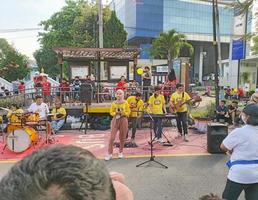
20 139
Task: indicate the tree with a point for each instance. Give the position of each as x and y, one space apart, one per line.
169 45
115 35
254 48
75 25
13 65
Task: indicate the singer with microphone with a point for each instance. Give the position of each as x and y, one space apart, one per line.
120 112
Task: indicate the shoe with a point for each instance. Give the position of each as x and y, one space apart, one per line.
120 155
160 140
108 157
185 138
179 136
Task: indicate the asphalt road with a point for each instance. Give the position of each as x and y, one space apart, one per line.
187 178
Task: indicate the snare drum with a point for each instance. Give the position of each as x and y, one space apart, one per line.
20 139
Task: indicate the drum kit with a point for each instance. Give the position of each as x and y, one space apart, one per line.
22 134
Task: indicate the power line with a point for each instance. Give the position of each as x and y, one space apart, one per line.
19 30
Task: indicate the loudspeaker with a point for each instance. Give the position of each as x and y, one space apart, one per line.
216 134
86 93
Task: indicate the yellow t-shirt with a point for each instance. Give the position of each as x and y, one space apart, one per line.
15 118
61 111
135 106
124 107
180 98
156 104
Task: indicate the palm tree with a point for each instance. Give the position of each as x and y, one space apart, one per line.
169 44
243 5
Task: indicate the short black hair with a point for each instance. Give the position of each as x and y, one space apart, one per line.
178 85
59 172
38 97
138 94
236 102
157 88
224 101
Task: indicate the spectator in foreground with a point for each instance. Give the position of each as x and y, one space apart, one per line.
242 144
62 172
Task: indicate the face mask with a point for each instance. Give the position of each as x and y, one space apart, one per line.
243 119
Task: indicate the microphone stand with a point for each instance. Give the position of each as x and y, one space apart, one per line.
152 157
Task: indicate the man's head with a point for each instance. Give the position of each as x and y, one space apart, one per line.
58 104
146 69
157 90
138 96
234 104
222 103
250 114
38 100
76 78
58 173
180 87
44 78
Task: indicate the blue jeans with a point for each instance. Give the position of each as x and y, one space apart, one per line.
57 124
157 127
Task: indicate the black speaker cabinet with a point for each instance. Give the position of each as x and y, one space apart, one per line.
216 134
86 93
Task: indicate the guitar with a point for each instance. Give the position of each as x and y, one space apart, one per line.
179 104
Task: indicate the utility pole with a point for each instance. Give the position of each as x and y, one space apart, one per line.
215 45
100 45
100 24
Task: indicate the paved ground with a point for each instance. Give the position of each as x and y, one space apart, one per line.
187 177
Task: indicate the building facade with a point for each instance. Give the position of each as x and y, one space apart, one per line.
145 19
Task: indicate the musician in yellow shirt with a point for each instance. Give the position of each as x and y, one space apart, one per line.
120 112
136 105
58 118
178 102
157 106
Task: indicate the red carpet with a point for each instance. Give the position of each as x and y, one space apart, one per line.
96 142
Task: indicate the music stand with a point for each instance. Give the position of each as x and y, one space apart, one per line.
152 157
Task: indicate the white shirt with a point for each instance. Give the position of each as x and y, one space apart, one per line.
42 109
244 143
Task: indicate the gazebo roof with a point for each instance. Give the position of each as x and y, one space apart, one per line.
94 53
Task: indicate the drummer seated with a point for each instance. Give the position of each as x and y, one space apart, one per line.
42 109
14 115
58 118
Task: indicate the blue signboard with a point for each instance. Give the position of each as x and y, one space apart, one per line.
238 49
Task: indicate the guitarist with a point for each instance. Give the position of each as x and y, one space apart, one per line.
178 101
59 114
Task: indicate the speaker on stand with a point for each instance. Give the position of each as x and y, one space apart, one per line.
216 134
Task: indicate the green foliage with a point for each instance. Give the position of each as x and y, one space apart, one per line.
115 35
13 65
76 25
169 45
208 112
255 47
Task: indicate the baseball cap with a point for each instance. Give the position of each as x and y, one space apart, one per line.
251 109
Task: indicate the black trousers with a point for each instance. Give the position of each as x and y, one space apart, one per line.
233 190
132 125
181 121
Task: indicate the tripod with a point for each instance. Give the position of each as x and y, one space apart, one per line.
151 145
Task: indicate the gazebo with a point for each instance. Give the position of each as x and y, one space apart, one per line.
81 59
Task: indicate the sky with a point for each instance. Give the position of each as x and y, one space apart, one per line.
26 14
